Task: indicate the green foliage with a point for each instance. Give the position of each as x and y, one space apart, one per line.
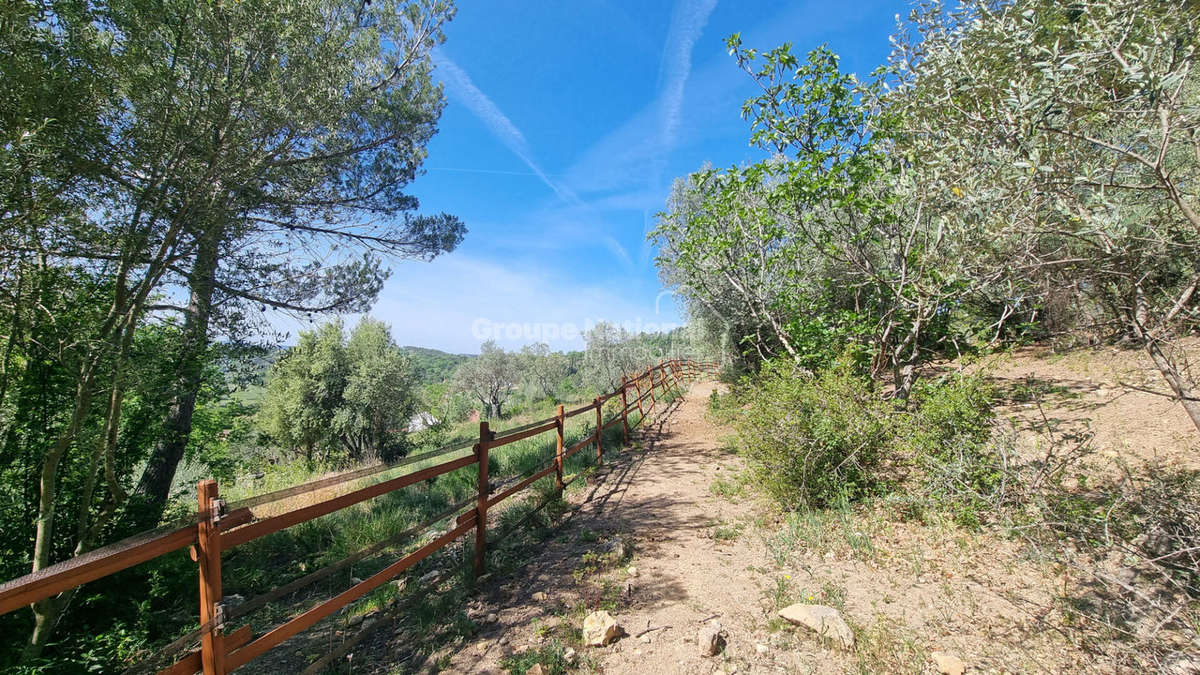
948 438
814 439
433 366
549 656
338 399
817 440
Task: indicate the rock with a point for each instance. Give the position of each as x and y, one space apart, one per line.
824 621
711 639
538 597
619 548
631 571
355 620
948 664
537 669
231 601
628 589
492 617
569 656
503 640
1182 664
599 629
354 581
399 584
645 638
430 577
761 649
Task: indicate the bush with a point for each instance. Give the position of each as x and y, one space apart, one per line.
949 441
813 440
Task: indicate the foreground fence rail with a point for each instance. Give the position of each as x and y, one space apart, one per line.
217 527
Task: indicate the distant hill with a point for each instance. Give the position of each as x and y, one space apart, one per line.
433 365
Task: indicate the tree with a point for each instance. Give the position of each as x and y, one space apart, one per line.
201 161
490 378
1072 130
340 399
542 368
611 353
380 396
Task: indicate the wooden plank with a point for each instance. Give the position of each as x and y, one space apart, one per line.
552 424
190 664
68 574
579 446
521 486
283 521
306 620
611 422
572 413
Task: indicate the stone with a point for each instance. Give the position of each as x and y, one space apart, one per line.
1182 663
711 639
354 581
569 656
537 669
631 571
599 629
948 664
761 649
824 621
645 638
492 617
430 577
619 548
538 597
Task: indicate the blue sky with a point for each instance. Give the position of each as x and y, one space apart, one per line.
565 124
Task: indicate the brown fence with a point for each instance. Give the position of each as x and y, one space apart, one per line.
219 527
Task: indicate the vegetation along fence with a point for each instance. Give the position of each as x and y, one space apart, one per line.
217 527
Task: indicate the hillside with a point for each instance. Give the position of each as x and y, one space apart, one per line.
434 365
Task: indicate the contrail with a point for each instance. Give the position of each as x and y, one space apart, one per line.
462 88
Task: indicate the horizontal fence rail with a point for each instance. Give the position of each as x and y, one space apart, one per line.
217 527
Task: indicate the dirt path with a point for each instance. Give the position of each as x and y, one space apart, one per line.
657 498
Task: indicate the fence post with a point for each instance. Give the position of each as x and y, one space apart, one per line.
208 554
653 398
481 456
637 385
624 411
599 431
558 453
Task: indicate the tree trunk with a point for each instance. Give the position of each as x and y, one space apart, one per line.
1182 385
155 485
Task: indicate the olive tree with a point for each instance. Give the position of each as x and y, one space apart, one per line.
1073 131
490 378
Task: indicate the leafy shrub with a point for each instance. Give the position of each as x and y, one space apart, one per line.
814 439
947 439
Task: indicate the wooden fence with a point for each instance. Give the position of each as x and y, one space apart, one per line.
218 527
